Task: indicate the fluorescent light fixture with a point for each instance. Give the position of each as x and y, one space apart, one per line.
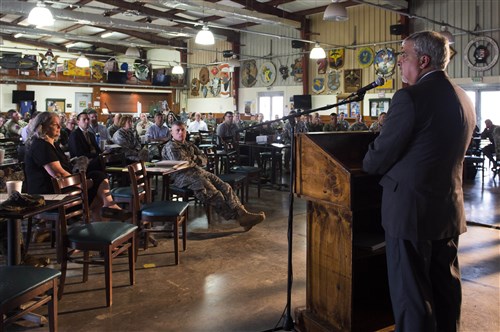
133 52
177 70
70 45
335 12
18 35
107 34
205 36
445 33
82 61
40 16
317 52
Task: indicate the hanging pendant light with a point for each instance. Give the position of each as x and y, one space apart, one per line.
317 52
82 61
178 70
40 16
335 12
205 36
133 52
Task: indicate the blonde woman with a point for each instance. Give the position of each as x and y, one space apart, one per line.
45 160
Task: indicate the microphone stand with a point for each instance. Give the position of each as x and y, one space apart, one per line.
288 321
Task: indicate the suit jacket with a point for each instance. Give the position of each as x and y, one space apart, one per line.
420 153
78 146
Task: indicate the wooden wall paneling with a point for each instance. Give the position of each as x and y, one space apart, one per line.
126 102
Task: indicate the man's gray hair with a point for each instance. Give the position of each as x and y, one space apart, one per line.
432 44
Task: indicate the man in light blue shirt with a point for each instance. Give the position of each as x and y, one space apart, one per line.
95 127
156 135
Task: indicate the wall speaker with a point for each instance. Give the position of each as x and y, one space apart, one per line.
397 29
297 44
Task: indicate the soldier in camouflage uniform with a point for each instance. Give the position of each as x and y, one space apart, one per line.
344 125
13 126
207 187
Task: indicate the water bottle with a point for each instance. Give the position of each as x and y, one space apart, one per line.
98 139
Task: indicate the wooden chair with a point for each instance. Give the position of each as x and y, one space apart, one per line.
237 181
251 172
27 284
108 238
147 213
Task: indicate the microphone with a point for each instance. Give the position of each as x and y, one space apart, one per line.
378 82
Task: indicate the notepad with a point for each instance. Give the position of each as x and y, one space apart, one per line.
170 163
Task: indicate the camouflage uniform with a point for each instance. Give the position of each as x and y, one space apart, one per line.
344 125
12 129
207 187
358 126
375 127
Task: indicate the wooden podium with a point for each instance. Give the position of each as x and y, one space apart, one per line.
347 287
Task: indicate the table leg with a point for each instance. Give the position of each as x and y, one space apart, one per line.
14 242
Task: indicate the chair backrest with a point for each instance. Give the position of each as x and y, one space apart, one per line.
207 137
211 159
72 185
232 152
139 182
496 139
112 159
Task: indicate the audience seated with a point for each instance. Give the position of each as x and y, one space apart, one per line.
207 187
82 142
130 145
359 125
45 160
376 126
489 149
333 125
344 125
315 124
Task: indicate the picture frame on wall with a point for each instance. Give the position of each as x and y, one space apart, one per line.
378 106
350 110
55 105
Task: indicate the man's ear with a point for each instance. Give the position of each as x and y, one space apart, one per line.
424 61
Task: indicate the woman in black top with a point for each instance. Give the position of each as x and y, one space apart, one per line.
45 160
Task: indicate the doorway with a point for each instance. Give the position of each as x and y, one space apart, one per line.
271 104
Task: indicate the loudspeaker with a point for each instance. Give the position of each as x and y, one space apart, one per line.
297 44
397 29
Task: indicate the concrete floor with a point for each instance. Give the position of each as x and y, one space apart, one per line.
229 280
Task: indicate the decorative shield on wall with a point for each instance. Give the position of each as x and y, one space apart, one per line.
336 58
385 62
297 71
267 73
333 80
49 62
248 73
204 76
365 57
322 65
318 85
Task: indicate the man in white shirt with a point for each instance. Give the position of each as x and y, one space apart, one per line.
198 124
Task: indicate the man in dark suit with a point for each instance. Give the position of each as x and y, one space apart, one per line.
422 203
83 143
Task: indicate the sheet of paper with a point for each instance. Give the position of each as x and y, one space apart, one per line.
170 163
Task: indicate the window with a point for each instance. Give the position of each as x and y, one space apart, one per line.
271 104
486 105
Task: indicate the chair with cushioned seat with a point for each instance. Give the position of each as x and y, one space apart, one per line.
237 181
27 284
110 239
147 213
251 172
